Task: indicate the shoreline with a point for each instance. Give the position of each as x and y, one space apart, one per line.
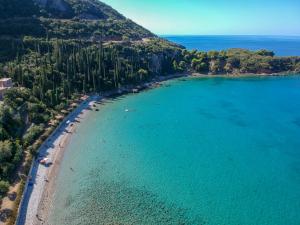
39 190
232 75
37 199
46 199
39 187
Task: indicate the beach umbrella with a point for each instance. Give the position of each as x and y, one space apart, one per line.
44 160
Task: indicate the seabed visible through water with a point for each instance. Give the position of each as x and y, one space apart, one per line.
197 151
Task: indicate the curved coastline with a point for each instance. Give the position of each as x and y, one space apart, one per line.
40 185
291 73
37 198
120 158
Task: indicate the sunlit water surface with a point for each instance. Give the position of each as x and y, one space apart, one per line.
214 151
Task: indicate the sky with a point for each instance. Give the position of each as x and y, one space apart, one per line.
213 17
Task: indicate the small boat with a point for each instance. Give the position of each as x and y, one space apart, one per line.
126 110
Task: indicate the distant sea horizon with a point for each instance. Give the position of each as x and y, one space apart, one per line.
281 45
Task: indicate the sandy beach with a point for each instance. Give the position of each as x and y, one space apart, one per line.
38 195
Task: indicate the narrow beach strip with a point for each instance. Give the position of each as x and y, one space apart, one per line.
41 179
38 193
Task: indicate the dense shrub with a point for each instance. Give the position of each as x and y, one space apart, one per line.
4 185
239 61
32 133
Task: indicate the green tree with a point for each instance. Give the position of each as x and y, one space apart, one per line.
4 186
264 52
142 73
182 66
6 149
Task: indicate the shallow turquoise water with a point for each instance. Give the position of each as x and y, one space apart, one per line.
197 151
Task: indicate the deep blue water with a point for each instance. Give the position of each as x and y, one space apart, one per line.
281 45
213 151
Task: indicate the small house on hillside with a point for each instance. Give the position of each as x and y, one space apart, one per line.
5 83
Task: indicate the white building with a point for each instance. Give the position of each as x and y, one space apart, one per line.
5 83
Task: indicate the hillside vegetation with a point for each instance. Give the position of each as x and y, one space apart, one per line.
71 19
57 50
240 61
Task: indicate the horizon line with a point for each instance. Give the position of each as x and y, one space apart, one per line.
270 35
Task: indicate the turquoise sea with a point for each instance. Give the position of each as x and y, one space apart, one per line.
213 151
